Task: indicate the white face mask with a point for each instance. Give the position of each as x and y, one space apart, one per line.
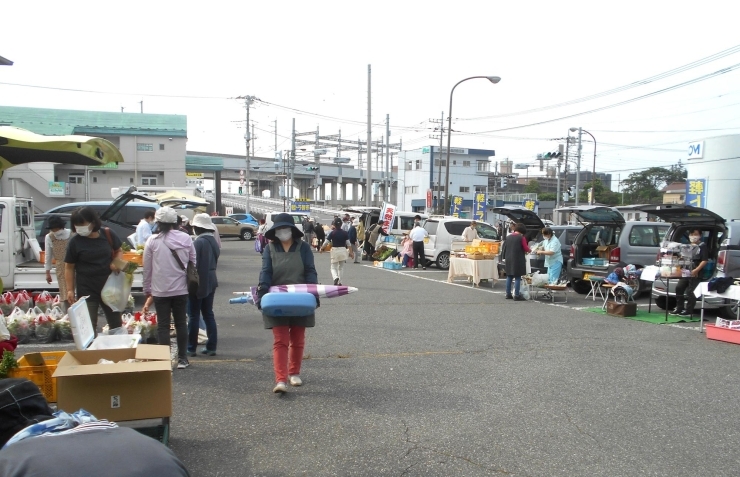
59 234
83 230
284 234
694 238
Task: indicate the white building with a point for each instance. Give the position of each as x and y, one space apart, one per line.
714 166
419 172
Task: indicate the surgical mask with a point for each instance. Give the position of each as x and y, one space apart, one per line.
59 234
694 238
284 234
83 230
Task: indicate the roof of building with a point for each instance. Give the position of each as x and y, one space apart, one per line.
674 188
58 122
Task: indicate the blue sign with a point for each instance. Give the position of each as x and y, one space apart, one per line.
300 207
533 205
456 205
479 207
696 192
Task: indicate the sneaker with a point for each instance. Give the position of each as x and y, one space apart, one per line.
675 312
336 281
280 388
340 284
519 298
509 297
190 354
183 363
207 352
295 380
423 268
684 314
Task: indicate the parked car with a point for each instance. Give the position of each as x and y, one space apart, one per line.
130 214
534 224
245 219
567 235
228 227
402 222
717 236
297 218
446 232
606 241
41 226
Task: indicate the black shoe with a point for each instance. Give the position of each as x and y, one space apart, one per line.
676 312
519 298
423 268
336 281
509 297
685 314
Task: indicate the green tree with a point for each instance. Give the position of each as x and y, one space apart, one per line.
645 186
602 195
546 196
533 187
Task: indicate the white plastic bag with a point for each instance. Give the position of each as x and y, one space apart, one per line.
525 293
116 291
4 333
539 280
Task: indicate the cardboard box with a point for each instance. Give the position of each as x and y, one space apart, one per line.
621 309
120 391
605 250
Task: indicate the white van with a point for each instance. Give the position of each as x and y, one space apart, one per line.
445 232
297 219
403 221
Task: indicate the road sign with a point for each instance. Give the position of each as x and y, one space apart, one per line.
429 198
241 173
242 181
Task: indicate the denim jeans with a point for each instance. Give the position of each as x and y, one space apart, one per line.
517 283
204 306
168 308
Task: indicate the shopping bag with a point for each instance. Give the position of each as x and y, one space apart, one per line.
116 290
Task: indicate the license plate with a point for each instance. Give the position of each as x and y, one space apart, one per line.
587 276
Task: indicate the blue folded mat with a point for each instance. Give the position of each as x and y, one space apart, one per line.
288 304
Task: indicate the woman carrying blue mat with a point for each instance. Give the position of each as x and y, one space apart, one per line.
287 260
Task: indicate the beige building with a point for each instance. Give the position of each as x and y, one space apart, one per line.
674 193
153 147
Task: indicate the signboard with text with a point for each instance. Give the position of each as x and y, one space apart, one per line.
388 214
194 175
696 192
300 206
56 188
456 206
479 207
533 205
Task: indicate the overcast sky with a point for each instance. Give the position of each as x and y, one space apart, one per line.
313 57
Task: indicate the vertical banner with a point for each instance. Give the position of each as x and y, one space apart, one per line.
456 206
479 207
533 205
696 192
388 214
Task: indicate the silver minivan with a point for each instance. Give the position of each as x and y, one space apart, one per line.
608 241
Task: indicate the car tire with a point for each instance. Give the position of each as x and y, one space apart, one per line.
443 261
246 234
663 302
729 312
582 287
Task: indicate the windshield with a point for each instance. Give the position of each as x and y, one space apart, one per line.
487 232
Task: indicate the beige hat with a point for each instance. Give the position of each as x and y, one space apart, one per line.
165 215
203 221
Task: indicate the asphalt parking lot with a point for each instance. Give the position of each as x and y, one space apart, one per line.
414 376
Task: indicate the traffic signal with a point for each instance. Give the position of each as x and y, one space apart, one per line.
503 182
241 191
312 168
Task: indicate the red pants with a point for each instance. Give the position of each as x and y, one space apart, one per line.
287 351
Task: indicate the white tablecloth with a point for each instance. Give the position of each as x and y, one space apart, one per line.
477 269
732 293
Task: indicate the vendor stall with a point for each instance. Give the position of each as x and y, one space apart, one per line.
732 294
474 270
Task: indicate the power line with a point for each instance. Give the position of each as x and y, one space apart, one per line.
635 84
55 88
632 100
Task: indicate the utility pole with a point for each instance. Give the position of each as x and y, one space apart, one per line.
387 194
369 179
578 166
292 159
275 122
252 155
141 103
317 176
247 137
560 161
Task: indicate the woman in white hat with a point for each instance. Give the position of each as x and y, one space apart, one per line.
165 279
206 254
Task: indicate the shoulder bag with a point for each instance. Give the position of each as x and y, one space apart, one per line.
190 271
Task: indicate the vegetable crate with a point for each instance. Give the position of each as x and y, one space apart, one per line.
41 375
475 249
133 257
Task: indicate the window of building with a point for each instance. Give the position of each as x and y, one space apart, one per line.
483 166
480 189
95 179
75 177
408 166
466 163
131 180
412 189
149 179
436 162
144 147
161 147
464 189
418 164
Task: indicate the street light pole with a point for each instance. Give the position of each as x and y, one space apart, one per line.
492 79
593 171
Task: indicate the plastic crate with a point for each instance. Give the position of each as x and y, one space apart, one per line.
392 265
598 262
722 334
41 375
473 249
134 258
